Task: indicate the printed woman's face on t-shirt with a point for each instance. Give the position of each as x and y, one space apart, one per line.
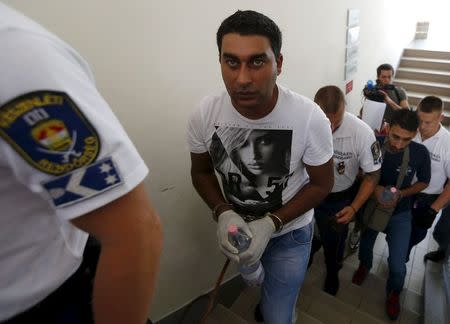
259 153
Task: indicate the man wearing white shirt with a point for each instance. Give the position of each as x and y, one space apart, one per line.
67 169
436 196
355 147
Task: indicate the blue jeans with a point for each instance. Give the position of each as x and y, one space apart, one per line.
284 260
398 231
331 238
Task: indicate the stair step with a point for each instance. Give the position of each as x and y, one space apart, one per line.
435 295
222 315
412 52
421 63
432 88
423 75
415 97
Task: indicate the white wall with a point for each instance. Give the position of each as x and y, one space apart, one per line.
154 60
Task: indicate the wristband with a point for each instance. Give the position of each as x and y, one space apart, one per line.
353 208
278 223
216 207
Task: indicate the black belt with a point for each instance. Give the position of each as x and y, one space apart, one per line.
340 195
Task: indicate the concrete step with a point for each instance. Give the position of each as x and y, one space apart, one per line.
431 88
415 97
439 55
428 64
435 299
222 315
423 75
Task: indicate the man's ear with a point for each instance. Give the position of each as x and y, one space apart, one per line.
279 61
441 117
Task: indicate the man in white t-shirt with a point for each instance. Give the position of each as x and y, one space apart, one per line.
67 169
273 150
436 196
355 147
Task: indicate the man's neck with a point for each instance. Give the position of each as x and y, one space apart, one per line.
260 111
424 138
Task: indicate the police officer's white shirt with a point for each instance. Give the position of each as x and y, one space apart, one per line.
355 147
309 129
438 146
39 247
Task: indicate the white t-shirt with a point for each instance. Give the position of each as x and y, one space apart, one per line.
355 147
62 154
262 162
438 146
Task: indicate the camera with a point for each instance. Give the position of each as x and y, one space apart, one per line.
371 91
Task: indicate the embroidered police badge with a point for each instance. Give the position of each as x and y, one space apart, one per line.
48 130
376 152
341 167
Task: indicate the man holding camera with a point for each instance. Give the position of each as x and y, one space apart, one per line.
394 97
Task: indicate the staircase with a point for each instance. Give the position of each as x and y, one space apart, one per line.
424 72
353 304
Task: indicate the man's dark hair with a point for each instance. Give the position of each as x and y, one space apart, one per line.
384 67
431 104
406 119
250 22
329 98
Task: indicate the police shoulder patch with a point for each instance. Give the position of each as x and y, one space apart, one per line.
376 152
83 183
48 130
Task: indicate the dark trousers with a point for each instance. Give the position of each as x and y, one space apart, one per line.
441 230
71 303
332 235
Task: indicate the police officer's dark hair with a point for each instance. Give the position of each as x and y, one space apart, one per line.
431 104
406 119
329 98
250 22
384 67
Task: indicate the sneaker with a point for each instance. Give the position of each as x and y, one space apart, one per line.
393 305
258 315
434 256
353 240
331 284
359 275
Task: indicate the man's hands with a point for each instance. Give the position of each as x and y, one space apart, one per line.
388 100
389 204
225 219
345 215
262 230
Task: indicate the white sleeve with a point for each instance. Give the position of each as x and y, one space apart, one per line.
319 141
195 138
33 66
369 151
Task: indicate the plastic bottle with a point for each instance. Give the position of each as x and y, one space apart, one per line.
253 274
370 85
389 194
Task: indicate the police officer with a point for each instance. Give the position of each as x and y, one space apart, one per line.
67 168
436 196
355 147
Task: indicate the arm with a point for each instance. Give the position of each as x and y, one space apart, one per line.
205 182
365 190
321 180
408 191
443 198
131 238
402 105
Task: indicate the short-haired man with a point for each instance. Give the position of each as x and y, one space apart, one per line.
273 150
436 196
395 98
355 147
402 130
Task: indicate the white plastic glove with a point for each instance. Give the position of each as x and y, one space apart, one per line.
227 218
262 230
